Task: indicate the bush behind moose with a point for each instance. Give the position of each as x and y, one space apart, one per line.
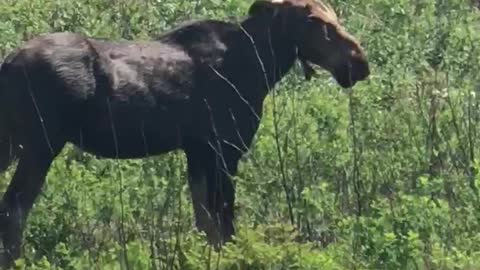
384 179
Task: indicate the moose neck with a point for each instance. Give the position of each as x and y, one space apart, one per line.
276 49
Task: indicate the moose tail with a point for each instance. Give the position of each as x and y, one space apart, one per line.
8 148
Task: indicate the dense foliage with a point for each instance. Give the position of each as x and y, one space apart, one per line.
386 177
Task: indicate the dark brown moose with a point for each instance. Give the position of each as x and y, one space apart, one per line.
199 88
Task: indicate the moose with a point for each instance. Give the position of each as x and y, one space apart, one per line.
198 88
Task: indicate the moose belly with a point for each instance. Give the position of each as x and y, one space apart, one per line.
129 138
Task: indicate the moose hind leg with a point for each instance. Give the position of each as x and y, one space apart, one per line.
16 203
212 191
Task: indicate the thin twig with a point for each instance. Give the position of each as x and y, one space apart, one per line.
237 91
122 217
37 110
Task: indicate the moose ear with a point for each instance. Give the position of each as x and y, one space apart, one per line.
263 7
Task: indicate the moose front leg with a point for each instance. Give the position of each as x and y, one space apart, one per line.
212 190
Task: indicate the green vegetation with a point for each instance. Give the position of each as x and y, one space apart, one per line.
385 178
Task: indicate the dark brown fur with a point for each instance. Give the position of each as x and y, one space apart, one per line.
199 88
